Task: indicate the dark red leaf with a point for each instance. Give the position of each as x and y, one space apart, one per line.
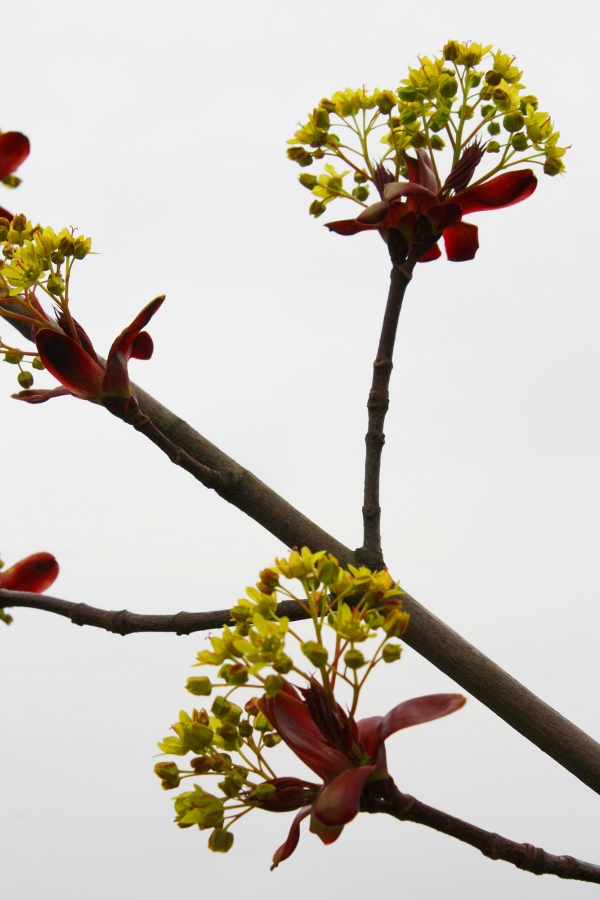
14 149
35 573
504 190
69 363
461 242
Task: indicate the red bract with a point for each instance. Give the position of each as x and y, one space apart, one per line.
416 208
35 573
76 365
344 754
14 149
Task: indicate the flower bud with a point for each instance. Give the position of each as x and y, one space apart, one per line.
437 143
168 773
245 729
25 379
493 78
327 104
261 723
451 50
55 285
200 687
321 117
528 100
553 165
315 652
83 246
519 141
198 737
234 673
4 227
418 140
494 128
201 765
251 706
513 121
391 652
408 94
307 181
271 739
386 101
273 685
361 193
269 578
262 792
487 110
220 840
19 223
499 96
13 356
228 732
221 707
448 86
396 623
300 156
231 785
475 79
283 664
354 659
492 147
316 208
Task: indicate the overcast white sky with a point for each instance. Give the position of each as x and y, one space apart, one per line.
159 129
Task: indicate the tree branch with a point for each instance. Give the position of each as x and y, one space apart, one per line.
370 553
427 634
523 856
547 729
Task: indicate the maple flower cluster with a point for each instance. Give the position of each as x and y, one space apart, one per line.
38 264
357 618
454 111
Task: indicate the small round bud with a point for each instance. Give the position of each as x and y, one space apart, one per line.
25 379
19 223
245 729
271 739
354 659
487 110
553 166
408 94
418 140
519 141
360 178
315 652
492 147
55 285
199 687
273 685
448 86
201 765
317 208
475 79
321 117
451 50
220 840
283 664
361 193
494 128
14 357
513 121
437 143
308 181
391 652
493 78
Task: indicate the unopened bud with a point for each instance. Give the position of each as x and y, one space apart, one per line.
321 117
283 664
492 147
553 166
198 737
317 208
519 141
25 379
513 121
273 685
493 78
200 687
354 659
220 840
451 50
307 181
13 356
391 652
271 739
315 652
19 223
396 623
437 143
494 128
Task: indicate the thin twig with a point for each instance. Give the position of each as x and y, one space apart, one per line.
427 634
388 799
370 553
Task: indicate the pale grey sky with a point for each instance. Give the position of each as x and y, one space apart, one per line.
159 129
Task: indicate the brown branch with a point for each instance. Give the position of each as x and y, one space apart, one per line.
427 634
370 553
523 856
